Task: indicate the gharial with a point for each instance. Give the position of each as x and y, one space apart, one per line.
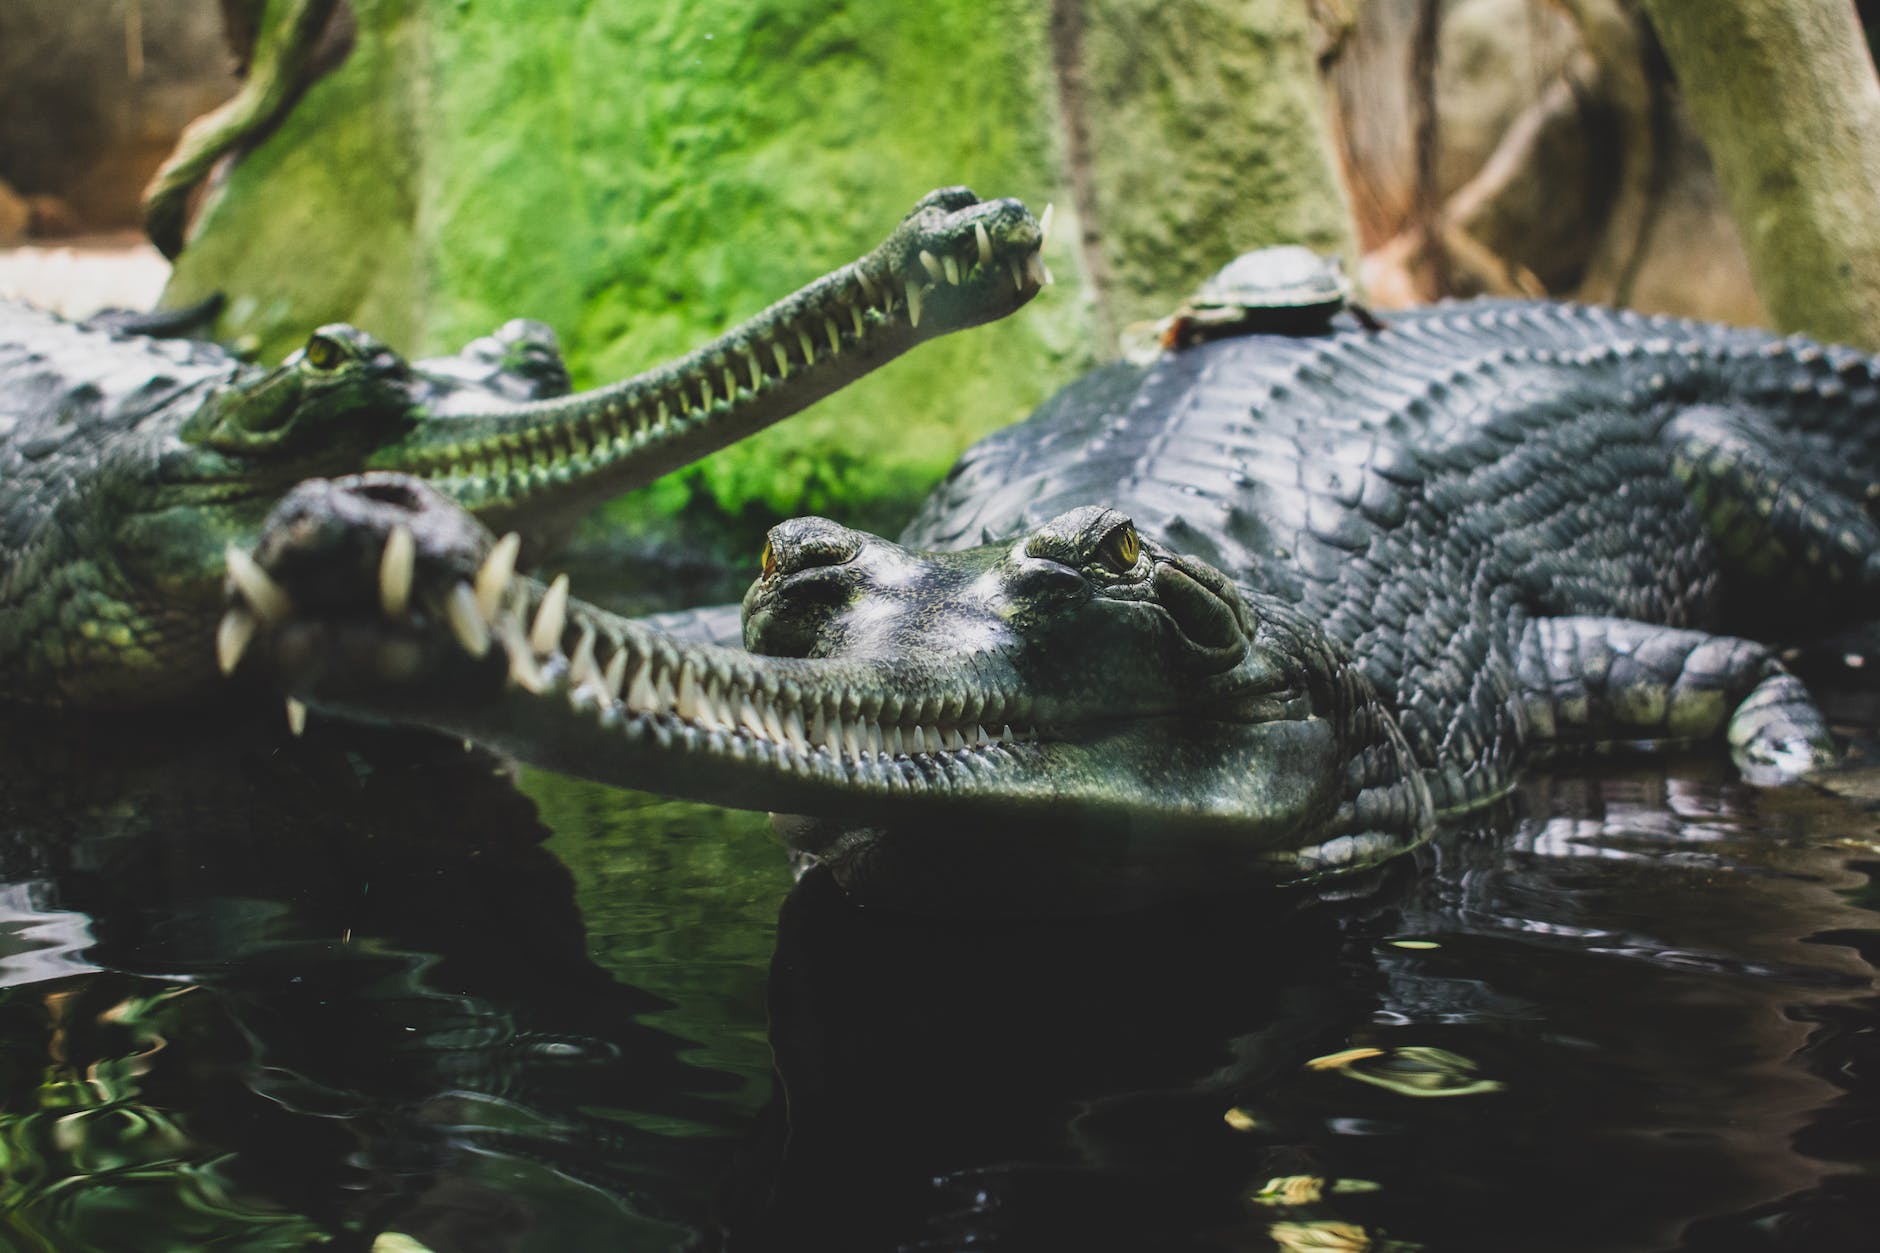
1272 606
129 465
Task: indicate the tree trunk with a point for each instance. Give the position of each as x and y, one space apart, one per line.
1784 94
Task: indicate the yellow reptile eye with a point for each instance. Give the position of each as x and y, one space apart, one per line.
767 560
324 353
1120 549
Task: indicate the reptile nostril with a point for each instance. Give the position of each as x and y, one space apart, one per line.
398 495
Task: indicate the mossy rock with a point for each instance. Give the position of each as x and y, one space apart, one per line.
641 177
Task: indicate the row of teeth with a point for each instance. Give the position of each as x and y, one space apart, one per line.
491 607
952 271
700 392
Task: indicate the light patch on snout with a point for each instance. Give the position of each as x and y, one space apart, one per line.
893 568
990 589
872 619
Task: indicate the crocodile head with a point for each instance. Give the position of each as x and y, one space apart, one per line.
113 582
1078 715
346 401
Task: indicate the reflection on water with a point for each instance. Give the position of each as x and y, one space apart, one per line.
273 995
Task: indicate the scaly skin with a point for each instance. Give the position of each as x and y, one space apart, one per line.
130 466
1482 533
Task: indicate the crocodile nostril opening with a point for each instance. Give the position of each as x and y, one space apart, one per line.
384 489
398 495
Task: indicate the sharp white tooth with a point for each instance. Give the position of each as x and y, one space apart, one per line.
852 739
809 348
918 739
550 618
984 241
752 721
642 697
783 361
296 716
663 416
731 383
616 672
951 268
1044 225
687 703
1005 733
983 738
232 636
757 371
913 303
931 264
868 286
1036 271
257 586
818 730
773 725
466 620
832 736
1018 272
662 689
581 664
396 564
704 393
523 671
955 741
855 316
494 574
793 728
835 336
897 745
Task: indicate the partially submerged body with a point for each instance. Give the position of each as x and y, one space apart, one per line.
128 465
1269 608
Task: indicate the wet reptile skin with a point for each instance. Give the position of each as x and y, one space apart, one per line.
1269 605
127 466
1430 494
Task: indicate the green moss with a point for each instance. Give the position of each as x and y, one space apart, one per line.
640 177
316 225
1208 138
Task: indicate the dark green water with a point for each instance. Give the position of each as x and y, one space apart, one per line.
257 994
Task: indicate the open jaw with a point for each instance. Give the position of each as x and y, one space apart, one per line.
954 262
116 609
899 760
